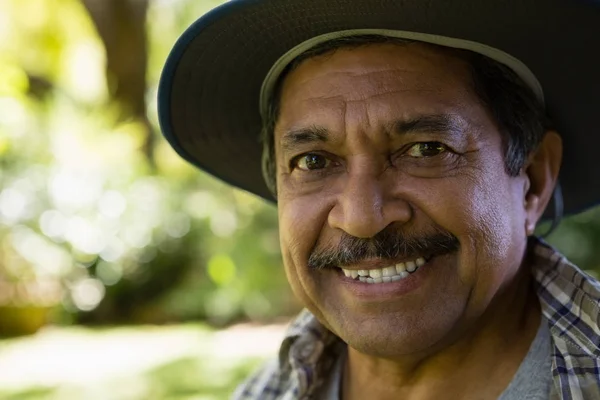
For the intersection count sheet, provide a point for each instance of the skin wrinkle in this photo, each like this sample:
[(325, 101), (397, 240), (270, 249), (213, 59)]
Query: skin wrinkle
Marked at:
[(388, 92), (360, 100), (460, 316), (510, 104), (388, 69)]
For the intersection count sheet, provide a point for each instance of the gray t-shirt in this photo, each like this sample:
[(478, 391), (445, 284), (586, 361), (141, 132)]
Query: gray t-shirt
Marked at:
[(532, 380)]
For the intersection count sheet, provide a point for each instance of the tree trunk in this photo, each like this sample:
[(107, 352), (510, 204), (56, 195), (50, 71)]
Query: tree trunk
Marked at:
[(121, 25)]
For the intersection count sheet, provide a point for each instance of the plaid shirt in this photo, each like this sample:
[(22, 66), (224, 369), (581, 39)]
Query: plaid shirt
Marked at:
[(570, 302)]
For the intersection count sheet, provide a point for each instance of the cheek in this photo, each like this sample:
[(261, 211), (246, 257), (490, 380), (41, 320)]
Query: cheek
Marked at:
[(480, 209), (301, 222), (496, 248)]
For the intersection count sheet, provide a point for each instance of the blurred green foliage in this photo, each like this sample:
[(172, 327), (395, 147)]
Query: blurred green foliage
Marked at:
[(95, 228), (100, 221)]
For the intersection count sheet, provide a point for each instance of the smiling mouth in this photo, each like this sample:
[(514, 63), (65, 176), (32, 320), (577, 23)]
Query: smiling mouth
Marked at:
[(389, 274)]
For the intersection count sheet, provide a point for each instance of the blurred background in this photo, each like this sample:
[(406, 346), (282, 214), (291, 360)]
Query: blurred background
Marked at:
[(124, 272)]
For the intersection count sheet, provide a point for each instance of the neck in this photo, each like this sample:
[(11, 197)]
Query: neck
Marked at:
[(480, 364)]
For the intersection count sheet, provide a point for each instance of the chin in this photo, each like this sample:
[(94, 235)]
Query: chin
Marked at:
[(393, 338)]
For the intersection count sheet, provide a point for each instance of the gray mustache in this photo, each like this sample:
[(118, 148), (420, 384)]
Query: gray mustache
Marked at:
[(389, 244)]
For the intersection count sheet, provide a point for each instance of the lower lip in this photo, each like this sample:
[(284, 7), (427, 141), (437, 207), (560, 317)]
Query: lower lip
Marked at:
[(382, 291)]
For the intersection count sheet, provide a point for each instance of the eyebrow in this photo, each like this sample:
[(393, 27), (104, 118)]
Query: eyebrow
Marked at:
[(291, 139), (432, 123)]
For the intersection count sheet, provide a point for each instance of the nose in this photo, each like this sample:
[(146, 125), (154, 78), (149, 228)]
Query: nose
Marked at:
[(366, 206)]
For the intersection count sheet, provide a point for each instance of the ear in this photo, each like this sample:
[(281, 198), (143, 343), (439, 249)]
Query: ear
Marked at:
[(542, 172)]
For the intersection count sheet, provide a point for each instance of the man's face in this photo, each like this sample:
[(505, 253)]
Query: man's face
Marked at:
[(388, 138)]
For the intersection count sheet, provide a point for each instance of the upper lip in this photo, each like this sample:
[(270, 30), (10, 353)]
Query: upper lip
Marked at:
[(378, 263)]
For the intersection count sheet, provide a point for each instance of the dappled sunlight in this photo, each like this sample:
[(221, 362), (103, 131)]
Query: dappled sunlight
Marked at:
[(82, 361)]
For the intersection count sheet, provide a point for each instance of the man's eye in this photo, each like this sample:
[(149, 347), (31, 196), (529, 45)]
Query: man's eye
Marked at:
[(311, 162), (426, 149)]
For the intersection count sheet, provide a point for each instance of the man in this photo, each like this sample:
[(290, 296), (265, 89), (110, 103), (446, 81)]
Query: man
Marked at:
[(412, 148)]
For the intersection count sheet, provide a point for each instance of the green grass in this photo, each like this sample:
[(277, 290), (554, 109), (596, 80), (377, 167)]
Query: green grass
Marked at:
[(29, 394), (188, 362)]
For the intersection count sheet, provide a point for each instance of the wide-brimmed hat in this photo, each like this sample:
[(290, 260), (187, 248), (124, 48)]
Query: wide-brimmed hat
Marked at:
[(215, 80)]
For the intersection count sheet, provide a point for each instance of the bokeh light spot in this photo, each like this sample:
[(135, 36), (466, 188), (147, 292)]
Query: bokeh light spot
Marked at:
[(12, 205), (178, 225), (221, 269), (112, 204), (223, 223), (87, 293), (53, 224), (109, 273)]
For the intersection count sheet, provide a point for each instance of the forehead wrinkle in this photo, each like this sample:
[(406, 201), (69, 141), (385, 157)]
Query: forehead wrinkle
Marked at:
[(430, 120), (356, 92), (335, 86), (330, 65), (351, 63), (342, 100), (346, 111), (351, 80), (356, 73)]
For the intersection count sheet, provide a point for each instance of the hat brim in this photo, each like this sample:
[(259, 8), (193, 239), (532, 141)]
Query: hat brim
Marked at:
[(210, 87)]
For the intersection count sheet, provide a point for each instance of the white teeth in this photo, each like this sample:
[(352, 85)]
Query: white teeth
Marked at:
[(400, 267), (375, 273), (387, 274)]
